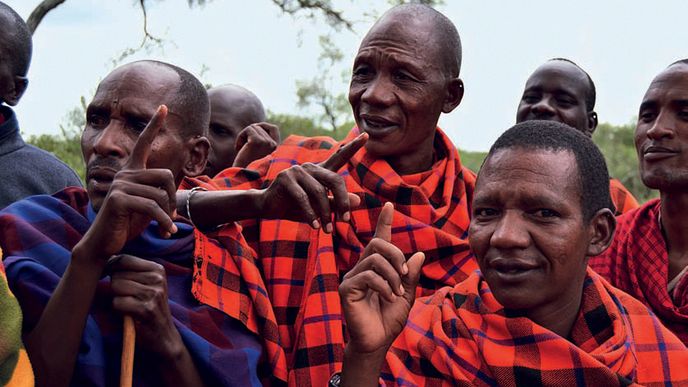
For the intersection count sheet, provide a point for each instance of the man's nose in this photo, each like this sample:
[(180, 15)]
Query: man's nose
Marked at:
[(110, 141), (543, 108), (379, 92), (510, 232), (662, 127)]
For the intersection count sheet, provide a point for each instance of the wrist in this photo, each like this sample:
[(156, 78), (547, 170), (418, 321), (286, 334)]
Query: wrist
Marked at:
[(362, 368), (84, 256)]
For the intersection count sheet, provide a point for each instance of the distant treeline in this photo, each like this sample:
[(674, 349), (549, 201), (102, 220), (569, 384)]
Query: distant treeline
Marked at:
[(616, 143)]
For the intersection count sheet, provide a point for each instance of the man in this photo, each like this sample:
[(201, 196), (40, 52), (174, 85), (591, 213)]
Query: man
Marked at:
[(299, 241), (534, 314), (649, 255), (238, 134), (562, 91), (79, 260), (26, 170)]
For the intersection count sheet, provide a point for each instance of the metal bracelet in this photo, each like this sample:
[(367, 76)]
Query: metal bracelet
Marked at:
[(188, 202)]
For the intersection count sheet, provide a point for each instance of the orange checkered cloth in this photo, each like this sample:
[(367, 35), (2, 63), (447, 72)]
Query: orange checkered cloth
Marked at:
[(283, 278), (637, 263), (463, 336), (621, 197)]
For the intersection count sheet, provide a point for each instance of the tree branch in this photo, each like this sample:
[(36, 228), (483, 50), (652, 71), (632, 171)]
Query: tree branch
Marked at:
[(335, 18), (40, 11)]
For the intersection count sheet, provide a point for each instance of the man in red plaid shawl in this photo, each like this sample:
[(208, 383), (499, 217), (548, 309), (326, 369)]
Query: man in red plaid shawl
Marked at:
[(534, 314), (300, 242), (649, 255)]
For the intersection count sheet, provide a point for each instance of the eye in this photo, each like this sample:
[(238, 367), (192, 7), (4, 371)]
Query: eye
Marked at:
[(137, 125), (219, 131), (565, 101), (362, 71), (485, 213), (683, 115), (546, 213), (530, 98), (646, 116), (403, 76), (97, 121)]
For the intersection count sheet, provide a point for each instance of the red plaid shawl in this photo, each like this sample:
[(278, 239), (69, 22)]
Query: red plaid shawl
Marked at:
[(300, 268), (621, 197), (463, 336), (637, 263)]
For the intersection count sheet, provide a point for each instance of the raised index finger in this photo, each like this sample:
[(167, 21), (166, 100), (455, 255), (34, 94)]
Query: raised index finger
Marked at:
[(383, 229), (142, 148), (345, 153)]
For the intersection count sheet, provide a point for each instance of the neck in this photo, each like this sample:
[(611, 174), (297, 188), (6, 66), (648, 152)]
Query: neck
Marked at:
[(418, 160), (559, 318), (674, 212)]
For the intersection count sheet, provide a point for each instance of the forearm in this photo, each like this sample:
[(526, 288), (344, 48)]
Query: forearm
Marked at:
[(213, 208), (54, 342), (362, 369)]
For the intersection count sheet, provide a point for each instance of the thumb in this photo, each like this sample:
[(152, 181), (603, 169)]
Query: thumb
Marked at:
[(410, 280)]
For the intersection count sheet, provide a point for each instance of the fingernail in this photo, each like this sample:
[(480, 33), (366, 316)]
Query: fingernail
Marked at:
[(315, 224), (174, 228), (166, 235), (404, 269), (174, 214), (328, 228), (401, 290), (346, 217)]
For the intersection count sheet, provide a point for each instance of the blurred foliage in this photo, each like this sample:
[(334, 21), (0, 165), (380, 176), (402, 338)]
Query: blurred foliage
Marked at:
[(67, 145), (618, 146)]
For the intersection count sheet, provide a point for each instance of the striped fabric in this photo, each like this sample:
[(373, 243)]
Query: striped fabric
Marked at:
[(622, 198), (37, 236), (300, 268), (637, 263), (463, 336), (15, 368)]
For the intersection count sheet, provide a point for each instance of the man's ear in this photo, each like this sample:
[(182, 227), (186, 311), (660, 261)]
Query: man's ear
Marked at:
[(198, 156), (454, 95), (601, 227), (592, 123), (19, 85)]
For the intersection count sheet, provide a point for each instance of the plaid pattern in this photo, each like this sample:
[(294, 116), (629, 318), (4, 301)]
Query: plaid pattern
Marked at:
[(15, 368), (637, 263), (301, 267), (463, 336), (621, 197), (37, 236)]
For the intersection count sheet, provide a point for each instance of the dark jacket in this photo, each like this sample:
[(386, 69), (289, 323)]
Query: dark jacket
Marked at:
[(26, 170)]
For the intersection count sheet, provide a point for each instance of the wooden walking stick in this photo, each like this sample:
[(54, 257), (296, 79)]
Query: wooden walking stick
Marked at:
[(128, 345)]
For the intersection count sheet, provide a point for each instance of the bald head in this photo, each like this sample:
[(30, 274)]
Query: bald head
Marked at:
[(184, 94), (15, 55), (242, 102), (431, 25), (232, 108)]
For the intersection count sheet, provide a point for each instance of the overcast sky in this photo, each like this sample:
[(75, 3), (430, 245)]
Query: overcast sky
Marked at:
[(622, 45)]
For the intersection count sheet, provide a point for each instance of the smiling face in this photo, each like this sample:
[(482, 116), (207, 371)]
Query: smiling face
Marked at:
[(556, 92), (661, 135), (399, 87), (528, 231), (124, 103)]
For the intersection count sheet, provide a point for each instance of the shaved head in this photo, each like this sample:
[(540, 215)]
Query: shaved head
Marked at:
[(15, 41), (242, 102), (442, 32)]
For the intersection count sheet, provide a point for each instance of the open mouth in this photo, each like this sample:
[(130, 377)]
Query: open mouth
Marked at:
[(376, 125)]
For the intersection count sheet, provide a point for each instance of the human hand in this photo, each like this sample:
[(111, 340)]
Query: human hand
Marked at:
[(139, 289), (377, 294), (301, 192), (254, 142)]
